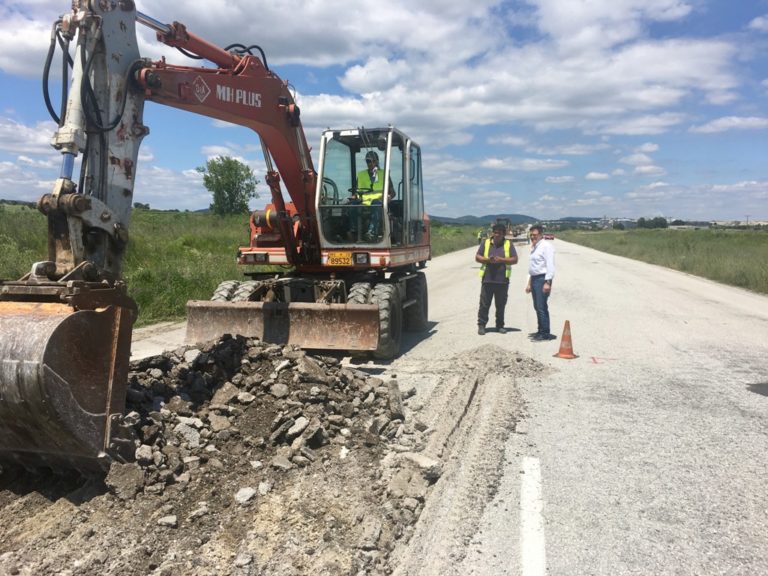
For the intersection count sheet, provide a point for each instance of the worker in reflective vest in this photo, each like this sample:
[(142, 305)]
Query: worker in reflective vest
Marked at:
[(370, 187), (370, 182), (496, 256)]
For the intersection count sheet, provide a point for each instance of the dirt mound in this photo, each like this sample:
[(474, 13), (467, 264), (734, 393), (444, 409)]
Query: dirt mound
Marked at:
[(250, 459)]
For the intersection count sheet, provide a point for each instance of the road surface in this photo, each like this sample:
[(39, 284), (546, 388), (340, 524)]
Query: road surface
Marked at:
[(645, 455)]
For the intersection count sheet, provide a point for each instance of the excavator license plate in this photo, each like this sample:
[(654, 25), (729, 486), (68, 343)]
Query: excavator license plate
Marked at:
[(340, 259)]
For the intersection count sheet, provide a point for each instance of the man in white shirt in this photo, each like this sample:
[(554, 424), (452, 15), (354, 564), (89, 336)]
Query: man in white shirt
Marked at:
[(541, 271)]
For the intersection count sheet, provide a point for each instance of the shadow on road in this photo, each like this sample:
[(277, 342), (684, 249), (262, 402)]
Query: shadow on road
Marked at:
[(761, 389), (411, 339)]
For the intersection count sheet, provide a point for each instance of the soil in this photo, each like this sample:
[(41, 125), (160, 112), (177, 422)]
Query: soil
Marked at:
[(252, 458)]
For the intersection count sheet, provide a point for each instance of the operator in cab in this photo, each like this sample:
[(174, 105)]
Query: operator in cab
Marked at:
[(370, 188)]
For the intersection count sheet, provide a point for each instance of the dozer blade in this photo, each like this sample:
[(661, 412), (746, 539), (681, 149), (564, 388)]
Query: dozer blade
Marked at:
[(62, 374), (309, 325)]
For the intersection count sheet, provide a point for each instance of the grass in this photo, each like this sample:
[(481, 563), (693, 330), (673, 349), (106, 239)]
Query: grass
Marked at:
[(23, 240), (449, 238), (172, 257), (733, 257)]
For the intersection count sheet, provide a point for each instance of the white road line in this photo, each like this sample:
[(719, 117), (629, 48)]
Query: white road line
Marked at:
[(533, 560)]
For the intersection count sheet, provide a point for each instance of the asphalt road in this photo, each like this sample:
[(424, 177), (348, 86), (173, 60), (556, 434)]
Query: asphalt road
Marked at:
[(645, 455)]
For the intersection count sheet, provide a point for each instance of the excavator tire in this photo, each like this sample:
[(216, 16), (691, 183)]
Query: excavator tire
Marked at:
[(390, 320), (245, 290), (359, 293), (416, 316), (225, 290)]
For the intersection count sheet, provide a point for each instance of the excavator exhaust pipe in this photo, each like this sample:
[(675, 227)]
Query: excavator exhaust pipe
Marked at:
[(63, 374), (353, 327)]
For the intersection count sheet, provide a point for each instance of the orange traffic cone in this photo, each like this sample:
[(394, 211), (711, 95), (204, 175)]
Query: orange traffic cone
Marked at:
[(566, 347)]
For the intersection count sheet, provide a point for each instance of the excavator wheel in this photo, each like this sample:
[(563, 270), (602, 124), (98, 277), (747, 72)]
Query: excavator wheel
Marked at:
[(416, 316), (245, 290), (390, 320), (225, 290), (360, 293)]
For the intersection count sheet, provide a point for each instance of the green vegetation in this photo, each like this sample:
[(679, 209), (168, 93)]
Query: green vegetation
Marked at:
[(23, 240), (734, 257), (450, 237), (172, 256), (178, 256), (232, 184)]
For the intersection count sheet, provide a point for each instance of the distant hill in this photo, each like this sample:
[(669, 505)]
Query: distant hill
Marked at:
[(485, 220)]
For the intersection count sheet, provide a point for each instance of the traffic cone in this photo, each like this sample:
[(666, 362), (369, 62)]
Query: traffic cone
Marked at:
[(566, 346)]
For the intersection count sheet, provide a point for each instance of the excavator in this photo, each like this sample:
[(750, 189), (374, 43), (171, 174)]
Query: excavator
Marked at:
[(350, 271)]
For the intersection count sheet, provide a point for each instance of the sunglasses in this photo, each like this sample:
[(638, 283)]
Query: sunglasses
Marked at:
[(368, 161)]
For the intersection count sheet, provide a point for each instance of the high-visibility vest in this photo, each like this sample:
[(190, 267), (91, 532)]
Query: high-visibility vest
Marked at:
[(487, 250), (370, 190)]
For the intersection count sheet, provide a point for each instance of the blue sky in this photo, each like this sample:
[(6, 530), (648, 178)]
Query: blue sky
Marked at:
[(551, 108)]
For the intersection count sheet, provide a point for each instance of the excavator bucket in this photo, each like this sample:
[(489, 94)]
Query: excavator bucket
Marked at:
[(63, 373), (309, 325)]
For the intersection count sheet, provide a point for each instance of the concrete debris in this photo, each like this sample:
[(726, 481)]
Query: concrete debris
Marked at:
[(243, 446)]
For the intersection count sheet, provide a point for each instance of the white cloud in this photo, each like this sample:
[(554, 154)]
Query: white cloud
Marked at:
[(522, 164), (731, 123), (593, 198), (647, 147), (508, 140), (375, 75), (490, 195), (602, 23), (214, 150), (569, 149), (647, 194), (760, 24), (597, 176), (559, 179), (650, 170), (636, 160), (21, 139), (750, 186), (642, 125)]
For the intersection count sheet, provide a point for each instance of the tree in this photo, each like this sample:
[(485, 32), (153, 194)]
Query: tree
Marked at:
[(231, 182)]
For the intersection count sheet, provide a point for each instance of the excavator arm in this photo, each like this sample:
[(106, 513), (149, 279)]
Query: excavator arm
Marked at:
[(65, 327), (242, 90)]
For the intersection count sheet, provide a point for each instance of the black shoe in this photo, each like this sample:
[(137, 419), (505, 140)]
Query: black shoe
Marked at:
[(543, 337), (481, 330), (533, 334), (501, 330)]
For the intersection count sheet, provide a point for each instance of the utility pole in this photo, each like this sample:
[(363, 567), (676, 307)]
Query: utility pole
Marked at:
[(748, 215)]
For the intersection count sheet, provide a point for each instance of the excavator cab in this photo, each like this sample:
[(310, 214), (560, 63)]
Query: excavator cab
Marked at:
[(369, 189)]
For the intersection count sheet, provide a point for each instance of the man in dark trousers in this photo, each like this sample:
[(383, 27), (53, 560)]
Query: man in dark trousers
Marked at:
[(496, 255), (541, 271)]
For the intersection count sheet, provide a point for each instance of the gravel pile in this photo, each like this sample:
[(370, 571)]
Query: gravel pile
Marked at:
[(250, 458)]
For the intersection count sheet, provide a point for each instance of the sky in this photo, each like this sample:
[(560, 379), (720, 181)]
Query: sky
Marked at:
[(549, 108)]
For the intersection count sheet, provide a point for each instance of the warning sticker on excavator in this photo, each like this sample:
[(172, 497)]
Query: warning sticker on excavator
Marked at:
[(339, 258)]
